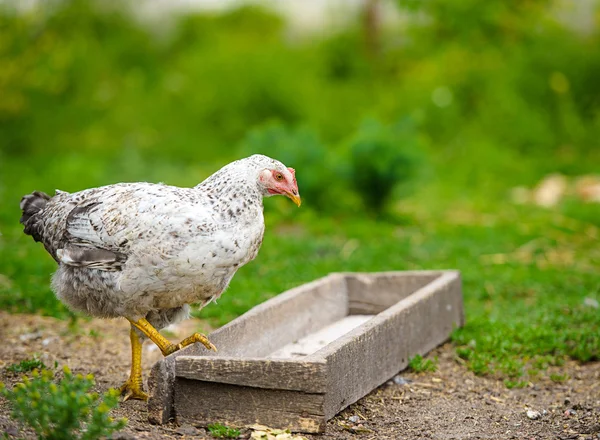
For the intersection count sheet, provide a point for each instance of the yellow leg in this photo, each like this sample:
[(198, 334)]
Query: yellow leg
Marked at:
[(165, 346), (132, 389)]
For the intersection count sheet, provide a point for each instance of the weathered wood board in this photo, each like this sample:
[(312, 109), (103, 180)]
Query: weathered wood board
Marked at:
[(249, 381)]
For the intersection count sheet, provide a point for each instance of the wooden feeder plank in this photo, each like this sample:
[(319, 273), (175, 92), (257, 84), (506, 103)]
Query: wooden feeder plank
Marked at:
[(309, 377), (209, 402)]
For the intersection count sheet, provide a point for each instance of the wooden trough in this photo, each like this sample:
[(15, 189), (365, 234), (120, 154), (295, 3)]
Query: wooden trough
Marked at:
[(299, 358)]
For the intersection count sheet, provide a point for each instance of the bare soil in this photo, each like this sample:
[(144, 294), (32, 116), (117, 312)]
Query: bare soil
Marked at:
[(449, 404)]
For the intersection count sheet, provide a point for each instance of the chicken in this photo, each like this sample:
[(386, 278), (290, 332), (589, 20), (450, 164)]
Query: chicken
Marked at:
[(147, 251)]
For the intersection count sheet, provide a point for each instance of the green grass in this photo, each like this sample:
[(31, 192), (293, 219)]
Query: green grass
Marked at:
[(221, 431)]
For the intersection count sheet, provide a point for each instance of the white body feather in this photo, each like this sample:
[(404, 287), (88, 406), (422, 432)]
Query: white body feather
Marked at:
[(148, 250)]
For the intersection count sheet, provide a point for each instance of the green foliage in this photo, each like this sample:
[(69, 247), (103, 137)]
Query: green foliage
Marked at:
[(63, 410), (27, 365), (381, 158), (221, 431), (418, 364)]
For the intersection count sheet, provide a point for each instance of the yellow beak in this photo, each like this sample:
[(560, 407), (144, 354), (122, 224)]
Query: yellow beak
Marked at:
[(295, 198)]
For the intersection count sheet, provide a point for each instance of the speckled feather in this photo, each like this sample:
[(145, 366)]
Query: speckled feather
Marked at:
[(149, 250)]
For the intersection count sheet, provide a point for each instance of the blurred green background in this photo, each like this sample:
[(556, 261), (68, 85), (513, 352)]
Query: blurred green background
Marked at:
[(420, 131)]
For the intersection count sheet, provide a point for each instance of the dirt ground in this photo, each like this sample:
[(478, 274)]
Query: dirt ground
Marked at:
[(449, 404)]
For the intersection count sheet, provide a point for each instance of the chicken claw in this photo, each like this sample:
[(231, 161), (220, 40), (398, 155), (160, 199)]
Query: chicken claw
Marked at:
[(132, 390), (197, 337)]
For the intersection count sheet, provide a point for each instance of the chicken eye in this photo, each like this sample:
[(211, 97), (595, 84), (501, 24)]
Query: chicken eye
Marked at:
[(279, 177)]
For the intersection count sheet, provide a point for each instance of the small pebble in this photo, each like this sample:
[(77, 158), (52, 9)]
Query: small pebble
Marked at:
[(123, 436), (12, 431), (570, 412), (399, 380), (47, 341), (354, 419), (533, 415), (30, 336), (187, 430)]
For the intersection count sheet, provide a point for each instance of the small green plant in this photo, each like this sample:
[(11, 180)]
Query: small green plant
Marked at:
[(420, 365), (27, 365), (64, 410), (510, 384), (221, 431), (513, 368), (464, 353), (558, 378)]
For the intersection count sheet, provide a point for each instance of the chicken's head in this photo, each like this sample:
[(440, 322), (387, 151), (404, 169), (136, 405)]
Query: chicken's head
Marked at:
[(280, 181)]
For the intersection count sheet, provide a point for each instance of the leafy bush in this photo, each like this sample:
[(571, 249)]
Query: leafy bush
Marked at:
[(381, 159), (66, 410)]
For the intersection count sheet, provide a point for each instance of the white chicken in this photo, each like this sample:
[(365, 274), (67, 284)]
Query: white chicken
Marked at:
[(147, 251)]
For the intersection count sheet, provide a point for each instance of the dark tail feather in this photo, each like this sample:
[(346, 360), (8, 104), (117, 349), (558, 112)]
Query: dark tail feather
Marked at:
[(31, 205)]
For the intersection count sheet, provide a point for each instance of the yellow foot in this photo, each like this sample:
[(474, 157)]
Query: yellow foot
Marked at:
[(196, 337), (130, 390)]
